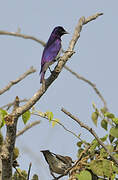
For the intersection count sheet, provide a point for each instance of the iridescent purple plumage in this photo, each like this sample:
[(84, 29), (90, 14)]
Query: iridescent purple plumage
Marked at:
[(51, 50)]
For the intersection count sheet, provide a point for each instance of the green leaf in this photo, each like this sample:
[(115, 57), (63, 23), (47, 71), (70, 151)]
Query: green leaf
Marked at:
[(115, 120), (49, 115), (113, 176), (103, 153), (107, 167), (80, 151), (79, 144), (35, 177), (115, 155), (104, 124), (24, 173), (109, 115), (15, 153), (116, 143), (84, 175), (3, 113), (94, 107), (115, 169), (26, 116), (114, 132), (104, 138), (111, 138), (110, 148), (97, 167), (101, 167), (103, 110), (94, 117), (94, 144), (55, 122)]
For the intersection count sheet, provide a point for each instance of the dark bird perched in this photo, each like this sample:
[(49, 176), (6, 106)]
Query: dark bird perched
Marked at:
[(51, 50), (57, 163)]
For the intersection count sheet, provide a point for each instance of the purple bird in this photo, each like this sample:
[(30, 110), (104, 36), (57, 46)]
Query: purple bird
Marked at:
[(51, 50)]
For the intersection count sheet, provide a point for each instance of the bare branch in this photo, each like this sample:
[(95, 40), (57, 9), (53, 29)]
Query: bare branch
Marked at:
[(31, 70), (91, 18), (24, 36), (92, 132), (27, 127), (8, 144), (57, 69), (28, 174), (90, 83), (78, 28), (9, 105)]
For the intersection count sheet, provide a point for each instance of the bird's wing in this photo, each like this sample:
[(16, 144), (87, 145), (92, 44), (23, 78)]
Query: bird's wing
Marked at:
[(51, 51), (62, 158)]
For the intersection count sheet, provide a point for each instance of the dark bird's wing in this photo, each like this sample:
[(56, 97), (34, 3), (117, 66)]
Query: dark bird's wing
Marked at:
[(50, 52), (62, 158)]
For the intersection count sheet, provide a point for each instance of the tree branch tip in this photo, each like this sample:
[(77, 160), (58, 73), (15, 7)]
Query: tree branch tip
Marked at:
[(100, 14), (73, 52), (33, 69), (17, 99), (82, 18), (30, 164)]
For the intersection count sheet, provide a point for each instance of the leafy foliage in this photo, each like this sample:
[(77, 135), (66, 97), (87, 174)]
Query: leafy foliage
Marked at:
[(22, 175), (95, 117), (84, 175), (96, 161), (3, 113), (26, 116)]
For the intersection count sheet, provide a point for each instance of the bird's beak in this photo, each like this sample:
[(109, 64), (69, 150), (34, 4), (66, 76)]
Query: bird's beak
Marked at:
[(65, 32)]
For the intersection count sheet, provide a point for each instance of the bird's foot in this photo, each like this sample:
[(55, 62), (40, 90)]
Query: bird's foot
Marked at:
[(69, 51)]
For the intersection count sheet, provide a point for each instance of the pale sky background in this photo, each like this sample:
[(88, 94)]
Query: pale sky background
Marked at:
[(95, 59)]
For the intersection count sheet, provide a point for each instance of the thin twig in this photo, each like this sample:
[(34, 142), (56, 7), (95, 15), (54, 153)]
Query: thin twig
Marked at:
[(90, 83), (28, 175), (36, 114), (92, 132), (78, 28), (24, 36), (31, 70), (27, 127), (20, 173), (9, 105)]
